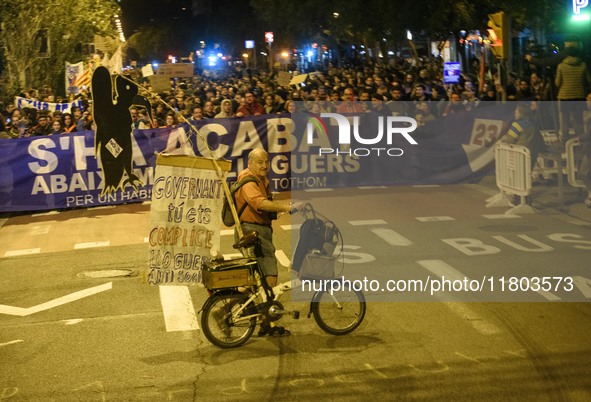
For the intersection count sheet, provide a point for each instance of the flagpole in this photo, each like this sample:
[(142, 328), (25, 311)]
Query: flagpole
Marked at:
[(213, 160)]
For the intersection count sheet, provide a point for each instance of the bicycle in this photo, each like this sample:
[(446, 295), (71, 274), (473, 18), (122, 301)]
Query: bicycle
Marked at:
[(239, 296)]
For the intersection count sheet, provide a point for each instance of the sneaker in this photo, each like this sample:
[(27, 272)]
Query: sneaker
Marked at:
[(279, 332), (264, 329)]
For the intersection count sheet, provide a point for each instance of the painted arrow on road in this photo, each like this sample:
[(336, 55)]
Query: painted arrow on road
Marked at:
[(81, 294)]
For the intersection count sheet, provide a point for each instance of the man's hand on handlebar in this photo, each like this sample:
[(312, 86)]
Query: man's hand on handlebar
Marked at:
[(297, 207)]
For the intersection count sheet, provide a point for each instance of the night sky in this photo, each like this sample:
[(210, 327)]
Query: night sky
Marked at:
[(141, 12), (228, 22)]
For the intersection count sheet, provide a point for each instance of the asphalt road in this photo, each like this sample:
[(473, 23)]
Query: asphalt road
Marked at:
[(72, 329)]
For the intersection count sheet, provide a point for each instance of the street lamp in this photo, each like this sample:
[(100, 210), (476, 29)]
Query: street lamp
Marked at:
[(284, 55)]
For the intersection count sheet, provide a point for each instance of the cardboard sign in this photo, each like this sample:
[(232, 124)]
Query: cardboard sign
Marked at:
[(177, 70), (160, 83), (185, 218), (283, 78), (298, 79), (147, 71)]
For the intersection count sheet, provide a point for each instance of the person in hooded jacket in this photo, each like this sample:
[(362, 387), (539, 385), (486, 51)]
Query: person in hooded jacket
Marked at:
[(225, 110), (572, 80)]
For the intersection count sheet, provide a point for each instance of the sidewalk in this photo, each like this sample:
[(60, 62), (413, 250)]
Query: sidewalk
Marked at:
[(545, 198)]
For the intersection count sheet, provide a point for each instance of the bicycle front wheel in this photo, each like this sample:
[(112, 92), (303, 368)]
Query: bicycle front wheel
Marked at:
[(339, 312), (221, 323)]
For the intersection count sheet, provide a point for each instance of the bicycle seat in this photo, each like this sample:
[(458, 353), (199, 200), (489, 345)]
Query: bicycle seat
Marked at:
[(248, 239)]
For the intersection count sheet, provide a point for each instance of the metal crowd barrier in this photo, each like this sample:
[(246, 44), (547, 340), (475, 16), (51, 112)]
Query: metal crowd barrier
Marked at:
[(513, 174), (573, 158)]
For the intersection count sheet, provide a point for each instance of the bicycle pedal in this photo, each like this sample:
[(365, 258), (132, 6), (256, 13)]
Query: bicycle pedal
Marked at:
[(295, 315)]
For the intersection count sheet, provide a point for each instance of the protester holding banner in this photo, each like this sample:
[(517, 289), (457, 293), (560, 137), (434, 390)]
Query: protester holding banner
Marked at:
[(226, 110), (290, 106), (17, 125), (196, 114), (208, 110), (56, 128), (170, 120), (349, 105), (68, 124), (250, 107), (43, 126), (82, 121)]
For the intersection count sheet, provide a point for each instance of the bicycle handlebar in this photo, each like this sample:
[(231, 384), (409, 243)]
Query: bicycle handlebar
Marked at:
[(302, 208)]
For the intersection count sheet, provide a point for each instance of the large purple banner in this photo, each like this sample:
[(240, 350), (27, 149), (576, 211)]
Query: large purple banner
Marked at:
[(56, 172)]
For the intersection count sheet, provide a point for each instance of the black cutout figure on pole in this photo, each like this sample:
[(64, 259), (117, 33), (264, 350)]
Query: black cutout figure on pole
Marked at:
[(114, 130)]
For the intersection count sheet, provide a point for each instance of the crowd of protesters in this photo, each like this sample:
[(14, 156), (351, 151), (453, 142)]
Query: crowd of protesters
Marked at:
[(26, 122), (411, 89)]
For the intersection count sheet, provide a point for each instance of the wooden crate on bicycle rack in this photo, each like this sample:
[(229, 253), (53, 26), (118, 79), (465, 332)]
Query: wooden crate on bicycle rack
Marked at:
[(229, 274)]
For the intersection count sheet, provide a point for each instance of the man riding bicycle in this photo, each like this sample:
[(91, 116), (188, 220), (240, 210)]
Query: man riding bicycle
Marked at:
[(259, 212)]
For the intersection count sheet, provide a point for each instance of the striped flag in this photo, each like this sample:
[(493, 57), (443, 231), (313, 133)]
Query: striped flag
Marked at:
[(83, 79)]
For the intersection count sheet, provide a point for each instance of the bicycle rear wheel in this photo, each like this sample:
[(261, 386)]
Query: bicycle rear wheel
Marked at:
[(220, 324), (339, 313)]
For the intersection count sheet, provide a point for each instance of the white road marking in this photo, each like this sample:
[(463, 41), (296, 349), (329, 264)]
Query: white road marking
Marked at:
[(479, 323), (16, 253), (282, 258), (73, 321), (426, 185), (434, 218), (104, 207), (178, 310), (20, 311), (39, 230), (318, 190), (368, 222), (373, 369), (579, 222), (501, 216), (45, 214), (92, 244), (11, 342), (370, 187), (296, 226), (440, 268), (391, 237)]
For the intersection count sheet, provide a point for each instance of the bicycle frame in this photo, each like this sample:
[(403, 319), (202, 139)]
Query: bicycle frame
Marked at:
[(225, 307), (278, 291)]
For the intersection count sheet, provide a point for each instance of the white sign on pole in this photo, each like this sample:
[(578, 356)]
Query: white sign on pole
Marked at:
[(185, 218)]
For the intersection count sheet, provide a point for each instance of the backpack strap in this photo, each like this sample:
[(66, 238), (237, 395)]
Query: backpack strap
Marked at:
[(241, 183)]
